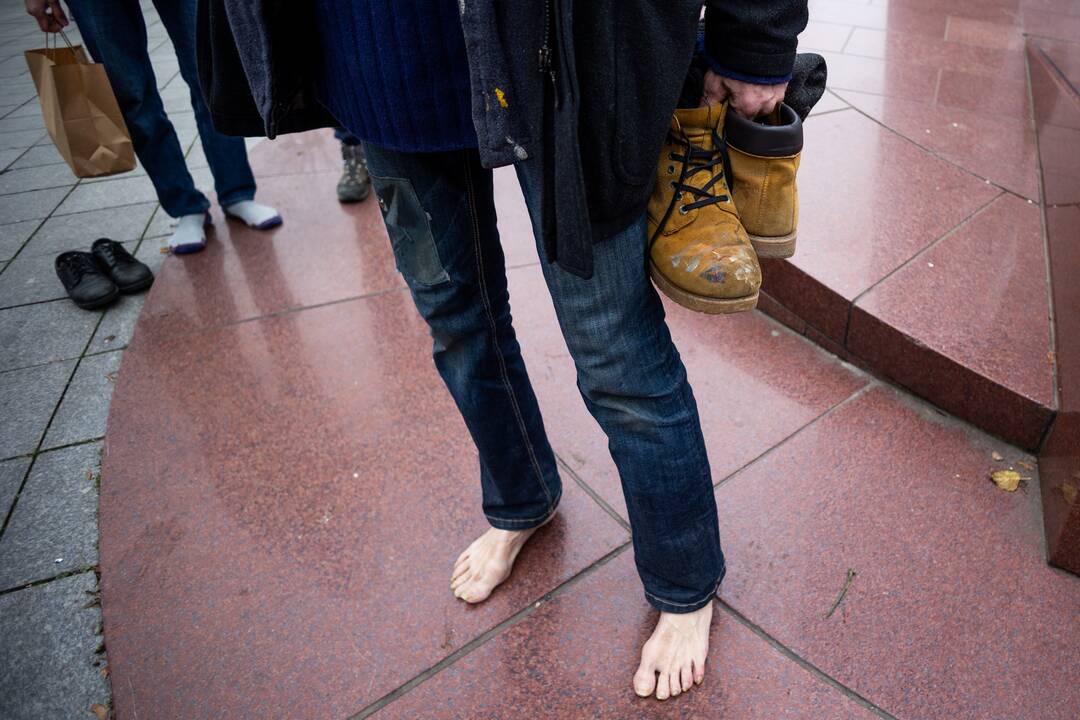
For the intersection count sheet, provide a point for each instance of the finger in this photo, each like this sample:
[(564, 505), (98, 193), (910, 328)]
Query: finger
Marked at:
[(58, 13)]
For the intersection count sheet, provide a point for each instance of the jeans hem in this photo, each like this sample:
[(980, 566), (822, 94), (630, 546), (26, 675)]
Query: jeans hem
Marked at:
[(236, 197), (682, 608), (524, 523)]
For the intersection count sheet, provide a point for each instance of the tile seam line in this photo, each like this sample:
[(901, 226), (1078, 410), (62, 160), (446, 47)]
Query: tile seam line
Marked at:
[(596, 497), (1044, 228), (805, 664), (1058, 71), (930, 151), (267, 316), (488, 635), (927, 248), (45, 431), (45, 581), (872, 383), (41, 223), (54, 448)]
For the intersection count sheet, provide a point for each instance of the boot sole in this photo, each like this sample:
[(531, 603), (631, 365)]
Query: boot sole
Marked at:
[(774, 247), (700, 303)]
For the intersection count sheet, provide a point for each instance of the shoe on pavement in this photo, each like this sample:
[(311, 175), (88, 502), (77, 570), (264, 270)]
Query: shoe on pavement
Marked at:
[(85, 281), (764, 159), (355, 183), (699, 253), (129, 274)]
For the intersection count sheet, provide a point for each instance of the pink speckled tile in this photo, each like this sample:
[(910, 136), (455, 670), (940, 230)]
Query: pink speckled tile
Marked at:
[(982, 33), (575, 657), (897, 16), (824, 36), (974, 92), (873, 75), (309, 152), (1059, 459), (953, 613), (966, 323), (740, 367), (924, 50), (245, 273), (1057, 25), (996, 147), (515, 228), (869, 201), (281, 504), (1064, 55)]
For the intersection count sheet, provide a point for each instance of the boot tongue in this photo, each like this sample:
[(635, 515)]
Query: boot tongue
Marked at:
[(698, 123)]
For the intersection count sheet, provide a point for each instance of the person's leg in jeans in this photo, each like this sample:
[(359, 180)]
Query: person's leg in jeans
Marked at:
[(115, 34), (440, 215), (354, 184), (227, 155), (634, 383)]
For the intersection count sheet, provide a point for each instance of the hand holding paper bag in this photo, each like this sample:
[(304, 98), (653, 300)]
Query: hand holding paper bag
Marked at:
[(80, 111)]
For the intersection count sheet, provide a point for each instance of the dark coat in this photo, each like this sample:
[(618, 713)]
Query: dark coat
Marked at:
[(584, 88)]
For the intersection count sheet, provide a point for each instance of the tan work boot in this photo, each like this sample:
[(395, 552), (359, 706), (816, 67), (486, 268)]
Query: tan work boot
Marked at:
[(699, 254), (764, 159)]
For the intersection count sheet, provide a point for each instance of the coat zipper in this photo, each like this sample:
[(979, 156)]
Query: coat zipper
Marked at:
[(546, 65)]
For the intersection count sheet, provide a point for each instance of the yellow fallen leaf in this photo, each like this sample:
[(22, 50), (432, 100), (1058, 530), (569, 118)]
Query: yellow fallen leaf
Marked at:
[(997, 456), (1007, 480), (100, 710), (1070, 492)]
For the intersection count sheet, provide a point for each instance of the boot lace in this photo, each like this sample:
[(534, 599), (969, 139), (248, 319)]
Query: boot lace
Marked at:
[(696, 160), (353, 164)]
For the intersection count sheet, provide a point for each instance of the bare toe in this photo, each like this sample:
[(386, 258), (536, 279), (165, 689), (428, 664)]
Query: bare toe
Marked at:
[(686, 676)]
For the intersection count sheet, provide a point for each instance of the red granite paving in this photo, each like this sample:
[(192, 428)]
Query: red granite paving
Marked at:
[(989, 360), (286, 486), (575, 655), (281, 506), (953, 612)]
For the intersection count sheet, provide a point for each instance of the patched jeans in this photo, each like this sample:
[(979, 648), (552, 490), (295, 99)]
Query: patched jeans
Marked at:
[(440, 215)]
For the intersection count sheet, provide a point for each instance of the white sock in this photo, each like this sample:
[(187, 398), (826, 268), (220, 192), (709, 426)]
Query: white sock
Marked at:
[(252, 214), (189, 235)]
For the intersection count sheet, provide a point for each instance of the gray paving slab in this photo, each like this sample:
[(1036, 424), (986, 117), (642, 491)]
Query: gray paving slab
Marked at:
[(160, 224), (22, 122), (37, 156), (13, 66), (118, 324), (51, 667), (13, 235), (53, 528), (29, 397), (78, 231), (19, 180), (139, 171), (9, 156), (28, 107), (85, 407), (11, 475), (20, 138), (30, 205), (44, 332), (108, 193)]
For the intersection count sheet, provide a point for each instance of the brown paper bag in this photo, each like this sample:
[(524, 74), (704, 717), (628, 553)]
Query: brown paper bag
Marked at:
[(80, 110)]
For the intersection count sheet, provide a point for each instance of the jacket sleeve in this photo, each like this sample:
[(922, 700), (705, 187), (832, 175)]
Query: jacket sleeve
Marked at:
[(753, 40)]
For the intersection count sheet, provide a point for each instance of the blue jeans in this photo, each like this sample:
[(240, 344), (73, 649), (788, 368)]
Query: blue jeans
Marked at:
[(115, 34), (440, 215)]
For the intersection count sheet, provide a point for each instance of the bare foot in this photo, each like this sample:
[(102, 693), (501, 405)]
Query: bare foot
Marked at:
[(488, 562), (676, 651)]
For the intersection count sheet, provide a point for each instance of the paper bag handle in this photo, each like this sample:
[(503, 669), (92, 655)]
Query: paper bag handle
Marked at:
[(62, 34)]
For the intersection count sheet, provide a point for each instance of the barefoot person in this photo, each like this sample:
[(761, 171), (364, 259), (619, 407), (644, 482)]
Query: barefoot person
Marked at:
[(115, 34), (580, 104)]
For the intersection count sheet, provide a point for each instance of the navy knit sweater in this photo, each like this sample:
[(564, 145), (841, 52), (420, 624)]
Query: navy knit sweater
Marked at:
[(394, 72)]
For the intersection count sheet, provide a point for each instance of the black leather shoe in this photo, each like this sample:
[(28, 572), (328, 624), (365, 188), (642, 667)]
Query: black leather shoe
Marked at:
[(84, 280), (129, 274)]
